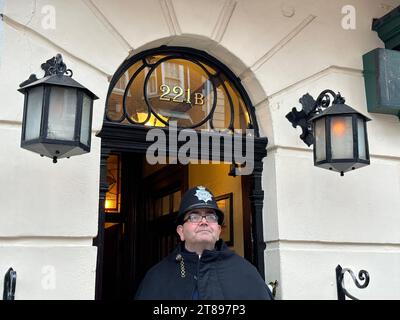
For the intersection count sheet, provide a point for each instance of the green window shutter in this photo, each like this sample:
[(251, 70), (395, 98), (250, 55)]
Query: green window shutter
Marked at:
[(388, 29), (382, 81)]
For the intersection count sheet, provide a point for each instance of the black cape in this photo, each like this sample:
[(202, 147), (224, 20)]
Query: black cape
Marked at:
[(219, 274)]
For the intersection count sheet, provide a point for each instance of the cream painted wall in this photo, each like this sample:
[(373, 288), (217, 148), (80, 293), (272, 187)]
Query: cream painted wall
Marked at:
[(50, 270), (281, 50), (307, 269)]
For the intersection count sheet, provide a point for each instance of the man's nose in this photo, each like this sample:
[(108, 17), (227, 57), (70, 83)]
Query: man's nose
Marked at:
[(203, 218)]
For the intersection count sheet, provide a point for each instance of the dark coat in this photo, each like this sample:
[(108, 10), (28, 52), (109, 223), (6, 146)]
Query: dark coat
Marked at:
[(219, 274)]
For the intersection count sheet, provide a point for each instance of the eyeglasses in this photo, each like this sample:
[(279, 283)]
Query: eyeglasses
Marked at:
[(196, 218)]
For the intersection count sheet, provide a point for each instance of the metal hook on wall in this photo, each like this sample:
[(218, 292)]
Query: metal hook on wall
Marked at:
[(273, 286), (10, 281), (363, 275)]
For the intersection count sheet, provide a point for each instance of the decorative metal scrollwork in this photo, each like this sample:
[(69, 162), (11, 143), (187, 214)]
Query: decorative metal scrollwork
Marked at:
[(10, 281), (53, 66), (57, 66), (310, 109), (150, 107), (215, 82), (274, 285), (363, 275)]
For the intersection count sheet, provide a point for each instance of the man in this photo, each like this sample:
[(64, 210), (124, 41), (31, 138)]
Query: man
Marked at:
[(202, 267)]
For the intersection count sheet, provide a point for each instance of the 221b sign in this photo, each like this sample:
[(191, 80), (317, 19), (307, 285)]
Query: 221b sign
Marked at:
[(178, 95)]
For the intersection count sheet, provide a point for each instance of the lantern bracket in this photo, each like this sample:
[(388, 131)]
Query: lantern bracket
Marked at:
[(53, 66), (310, 109), (363, 275), (10, 280)]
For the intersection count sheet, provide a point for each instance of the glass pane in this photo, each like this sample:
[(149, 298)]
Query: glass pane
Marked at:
[(113, 195), (85, 125), (115, 99), (362, 153), (320, 141), (222, 114), (341, 137), (62, 113), (135, 104), (180, 90), (34, 113)]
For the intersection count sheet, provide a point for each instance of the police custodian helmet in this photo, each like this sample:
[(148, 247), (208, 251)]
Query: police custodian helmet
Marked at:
[(197, 198)]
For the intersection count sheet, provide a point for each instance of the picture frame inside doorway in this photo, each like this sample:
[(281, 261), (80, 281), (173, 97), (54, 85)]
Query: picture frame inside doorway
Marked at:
[(225, 203)]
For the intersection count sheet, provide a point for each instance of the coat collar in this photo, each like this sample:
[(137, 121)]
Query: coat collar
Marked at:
[(221, 250)]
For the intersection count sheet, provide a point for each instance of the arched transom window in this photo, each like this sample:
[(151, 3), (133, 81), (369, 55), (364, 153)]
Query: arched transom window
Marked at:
[(189, 87)]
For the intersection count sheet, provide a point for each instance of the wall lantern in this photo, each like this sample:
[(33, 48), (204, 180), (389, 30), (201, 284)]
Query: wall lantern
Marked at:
[(339, 133), (57, 120)]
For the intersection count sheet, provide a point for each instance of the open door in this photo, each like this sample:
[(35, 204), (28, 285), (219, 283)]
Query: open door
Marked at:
[(144, 231)]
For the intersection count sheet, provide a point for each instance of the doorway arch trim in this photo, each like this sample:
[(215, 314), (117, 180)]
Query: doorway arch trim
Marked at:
[(117, 137)]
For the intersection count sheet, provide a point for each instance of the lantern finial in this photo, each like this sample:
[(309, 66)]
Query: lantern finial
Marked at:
[(57, 66), (53, 66)]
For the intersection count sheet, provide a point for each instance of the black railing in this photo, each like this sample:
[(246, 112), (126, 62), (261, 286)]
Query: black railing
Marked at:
[(341, 290), (10, 281)]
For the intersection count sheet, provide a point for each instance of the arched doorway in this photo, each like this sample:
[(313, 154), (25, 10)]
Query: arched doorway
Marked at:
[(173, 90)]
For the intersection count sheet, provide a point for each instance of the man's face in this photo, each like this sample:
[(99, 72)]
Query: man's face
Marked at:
[(202, 232)]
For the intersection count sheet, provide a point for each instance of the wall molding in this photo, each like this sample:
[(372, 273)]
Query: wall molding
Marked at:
[(11, 122), (108, 25), (36, 36), (41, 241), (314, 245), (223, 20), (169, 14), (275, 149), (312, 78), (281, 44)]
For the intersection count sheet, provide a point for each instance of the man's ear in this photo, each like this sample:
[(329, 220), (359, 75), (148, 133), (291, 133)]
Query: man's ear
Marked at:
[(179, 230)]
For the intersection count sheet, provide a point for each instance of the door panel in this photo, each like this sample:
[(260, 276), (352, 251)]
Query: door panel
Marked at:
[(164, 190)]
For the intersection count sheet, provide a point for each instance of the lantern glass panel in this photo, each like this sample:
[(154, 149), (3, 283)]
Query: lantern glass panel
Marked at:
[(341, 137), (320, 141), (34, 113), (62, 113), (362, 153), (85, 125)]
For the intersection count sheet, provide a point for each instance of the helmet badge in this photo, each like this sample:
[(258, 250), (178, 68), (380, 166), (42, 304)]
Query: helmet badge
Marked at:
[(203, 195)]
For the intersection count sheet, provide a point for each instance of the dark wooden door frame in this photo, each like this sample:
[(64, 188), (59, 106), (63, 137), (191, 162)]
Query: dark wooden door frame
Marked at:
[(130, 138)]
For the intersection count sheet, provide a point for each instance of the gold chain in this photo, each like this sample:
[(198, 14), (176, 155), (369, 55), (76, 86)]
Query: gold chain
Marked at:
[(182, 265)]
